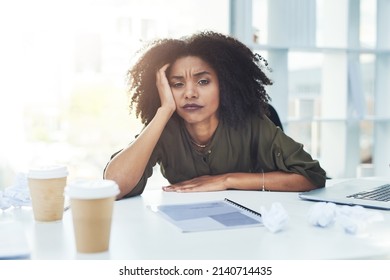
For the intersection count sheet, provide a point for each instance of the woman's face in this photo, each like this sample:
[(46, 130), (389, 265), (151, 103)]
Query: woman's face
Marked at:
[(195, 88)]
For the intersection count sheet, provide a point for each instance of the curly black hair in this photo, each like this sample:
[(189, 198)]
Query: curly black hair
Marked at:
[(240, 73)]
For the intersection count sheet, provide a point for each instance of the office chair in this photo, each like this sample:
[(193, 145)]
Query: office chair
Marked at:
[(274, 117)]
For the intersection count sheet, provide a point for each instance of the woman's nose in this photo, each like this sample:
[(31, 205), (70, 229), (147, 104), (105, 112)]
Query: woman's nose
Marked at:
[(190, 91)]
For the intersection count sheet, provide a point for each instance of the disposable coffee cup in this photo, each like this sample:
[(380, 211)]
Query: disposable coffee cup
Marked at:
[(92, 204), (46, 186)]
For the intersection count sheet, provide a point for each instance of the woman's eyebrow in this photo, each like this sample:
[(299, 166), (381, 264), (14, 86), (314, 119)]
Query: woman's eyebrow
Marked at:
[(178, 77), (201, 73)]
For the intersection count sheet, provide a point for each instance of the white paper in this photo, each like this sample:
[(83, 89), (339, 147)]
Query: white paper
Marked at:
[(13, 241), (203, 216)]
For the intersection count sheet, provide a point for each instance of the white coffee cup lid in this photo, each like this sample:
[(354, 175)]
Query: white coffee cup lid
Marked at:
[(92, 189), (48, 172)]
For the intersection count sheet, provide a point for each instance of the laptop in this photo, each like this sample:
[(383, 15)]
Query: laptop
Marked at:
[(370, 193)]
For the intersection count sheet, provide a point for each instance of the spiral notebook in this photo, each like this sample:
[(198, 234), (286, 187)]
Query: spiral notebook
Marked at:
[(212, 215)]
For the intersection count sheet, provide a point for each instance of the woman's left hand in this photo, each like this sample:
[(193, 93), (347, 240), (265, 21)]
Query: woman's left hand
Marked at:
[(200, 184)]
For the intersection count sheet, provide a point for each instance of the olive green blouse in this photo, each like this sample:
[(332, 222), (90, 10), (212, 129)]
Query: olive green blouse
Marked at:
[(255, 146)]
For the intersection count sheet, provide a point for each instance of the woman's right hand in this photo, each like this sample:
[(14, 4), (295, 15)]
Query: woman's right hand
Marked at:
[(128, 166), (164, 89)]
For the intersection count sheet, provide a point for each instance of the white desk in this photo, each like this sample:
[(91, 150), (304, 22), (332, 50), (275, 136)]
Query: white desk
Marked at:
[(138, 233)]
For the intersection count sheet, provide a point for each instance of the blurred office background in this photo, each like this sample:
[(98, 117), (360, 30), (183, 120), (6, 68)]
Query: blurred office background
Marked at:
[(63, 66)]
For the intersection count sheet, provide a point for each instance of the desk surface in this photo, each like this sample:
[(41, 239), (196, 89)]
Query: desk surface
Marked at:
[(138, 233)]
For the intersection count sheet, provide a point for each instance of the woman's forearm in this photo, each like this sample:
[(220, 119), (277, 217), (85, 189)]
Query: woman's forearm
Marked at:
[(128, 166), (270, 181)]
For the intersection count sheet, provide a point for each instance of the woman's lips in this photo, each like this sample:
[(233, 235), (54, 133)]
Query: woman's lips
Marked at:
[(192, 106)]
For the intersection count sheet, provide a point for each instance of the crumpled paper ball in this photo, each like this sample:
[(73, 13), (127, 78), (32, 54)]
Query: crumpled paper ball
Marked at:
[(355, 218), (322, 214), (276, 218), (17, 194), (351, 218)]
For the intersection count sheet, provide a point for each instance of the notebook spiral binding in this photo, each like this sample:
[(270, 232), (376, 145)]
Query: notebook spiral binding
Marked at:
[(243, 207)]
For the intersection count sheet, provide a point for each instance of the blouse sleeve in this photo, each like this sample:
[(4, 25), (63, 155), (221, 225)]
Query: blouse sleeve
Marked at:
[(139, 188), (277, 151)]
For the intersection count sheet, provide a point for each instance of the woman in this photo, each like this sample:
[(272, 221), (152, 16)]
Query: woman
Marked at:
[(203, 102)]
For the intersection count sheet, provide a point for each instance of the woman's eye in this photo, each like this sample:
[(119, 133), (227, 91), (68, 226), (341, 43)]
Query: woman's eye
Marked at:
[(203, 82), (177, 85)]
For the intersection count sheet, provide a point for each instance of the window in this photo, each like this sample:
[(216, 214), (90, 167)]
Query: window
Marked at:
[(64, 65), (330, 59)]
